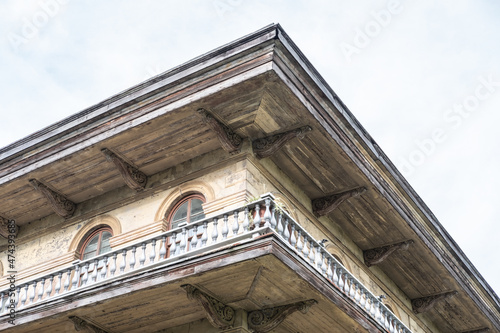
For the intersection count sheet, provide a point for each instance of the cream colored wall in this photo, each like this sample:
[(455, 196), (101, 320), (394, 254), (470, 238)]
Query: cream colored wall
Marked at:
[(225, 187)]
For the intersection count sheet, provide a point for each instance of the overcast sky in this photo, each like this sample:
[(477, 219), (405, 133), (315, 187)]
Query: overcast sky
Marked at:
[(423, 77)]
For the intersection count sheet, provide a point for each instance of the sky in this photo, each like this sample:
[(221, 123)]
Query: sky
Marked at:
[(422, 77)]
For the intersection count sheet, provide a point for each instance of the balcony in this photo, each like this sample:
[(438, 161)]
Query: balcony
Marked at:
[(231, 231)]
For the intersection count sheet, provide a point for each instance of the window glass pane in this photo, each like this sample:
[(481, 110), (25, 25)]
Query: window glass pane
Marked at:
[(180, 213), (105, 247), (91, 248), (196, 210)]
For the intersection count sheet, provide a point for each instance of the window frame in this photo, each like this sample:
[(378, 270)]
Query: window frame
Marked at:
[(100, 230), (186, 198)]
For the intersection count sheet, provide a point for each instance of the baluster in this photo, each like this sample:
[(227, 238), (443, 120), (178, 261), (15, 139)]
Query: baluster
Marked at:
[(204, 236), (225, 229), (85, 277), (300, 245), (112, 269), (215, 231), (368, 306), (132, 258), (194, 239), (312, 256), (323, 263), (346, 284), (123, 264), (352, 289), (68, 278), (335, 277), (163, 248), (317, 257), (379, 311), (385, 318), (391, 323), (142, 258), (2, 304), (341, 280), (104, 269), (256, 219), (182, 245), (76, 277), (280, 223), (49, 287), (273, 218), (362, 300), (173, 247), (357, 294), (267, 214), (25, 295), (286, 232), (293, 239), (41, 290), (18, 294), (58, 284), (33, 292), (94, 273), (373, 308), (246, 223), (236, 224), (152, 254), (305, 250)]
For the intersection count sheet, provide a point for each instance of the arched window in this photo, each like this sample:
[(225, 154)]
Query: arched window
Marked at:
[(96, 243), (188, 210)]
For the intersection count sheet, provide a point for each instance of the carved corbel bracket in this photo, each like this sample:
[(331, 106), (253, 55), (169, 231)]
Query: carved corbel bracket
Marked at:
[(265, 320), (325, 205), (4, 228), (133, 177), (423, 304), (230, 141), (480, 330), (85, 326), (379, 254), (218, 314), (269, 145), (61, 205)]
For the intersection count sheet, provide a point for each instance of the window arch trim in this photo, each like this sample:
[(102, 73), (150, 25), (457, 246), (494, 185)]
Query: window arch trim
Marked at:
[(89, 227), (98, 231)]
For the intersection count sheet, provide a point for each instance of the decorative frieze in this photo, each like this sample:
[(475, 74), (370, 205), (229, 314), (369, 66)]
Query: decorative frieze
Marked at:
[(325, 205), (230, 141), (82, 325), (61, 205), (218, 314), (269, 145), (480, 330), (4, 228), (379, 254), (265, 320), (426, 303), (133, 177)]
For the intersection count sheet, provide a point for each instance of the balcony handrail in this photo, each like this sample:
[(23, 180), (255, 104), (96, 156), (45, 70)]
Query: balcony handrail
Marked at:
[(188, 240)]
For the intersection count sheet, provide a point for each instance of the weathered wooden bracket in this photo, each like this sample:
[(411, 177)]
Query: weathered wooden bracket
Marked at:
[(379, 254), (230, 141), (85, 326), (480, 330), (4, 228), (269, 145), (133, 177), (423, 304), (218, 314), (325, 205), (59, 203), (265, 320)]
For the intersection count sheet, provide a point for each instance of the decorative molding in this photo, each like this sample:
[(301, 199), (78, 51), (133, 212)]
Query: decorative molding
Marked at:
[(377, 255), (133, 177), (4, 227), (61, 205), (325, 205), (230, 141), (269, 145), (424, 304), (265, 320), (235, 199), (480, 330), (218, 314), (85, 326)]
